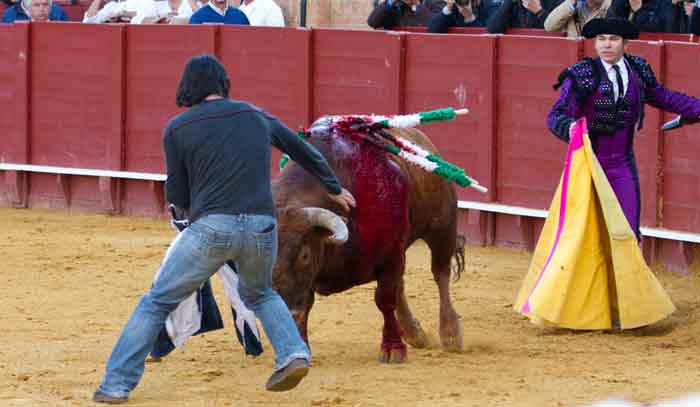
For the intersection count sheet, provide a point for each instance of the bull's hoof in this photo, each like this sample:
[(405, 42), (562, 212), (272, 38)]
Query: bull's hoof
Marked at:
[(418, 339), (393, 353), (451, 338)]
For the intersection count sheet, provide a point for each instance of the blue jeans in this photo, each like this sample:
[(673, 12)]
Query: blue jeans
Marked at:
[(199, 251)]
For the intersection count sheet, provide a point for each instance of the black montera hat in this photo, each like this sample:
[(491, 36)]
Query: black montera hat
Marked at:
[(611, 25)]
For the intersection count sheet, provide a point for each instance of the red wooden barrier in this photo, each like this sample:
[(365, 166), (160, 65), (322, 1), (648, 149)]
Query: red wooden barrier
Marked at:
[(667, 37), (282, 87), (357, 72), (104, 107), (529, 157), (76, 105), (460, 72), (155, 59), (445, 71), (14, 69)]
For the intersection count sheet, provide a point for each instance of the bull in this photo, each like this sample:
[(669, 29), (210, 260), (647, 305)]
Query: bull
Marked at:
[(397, 204)]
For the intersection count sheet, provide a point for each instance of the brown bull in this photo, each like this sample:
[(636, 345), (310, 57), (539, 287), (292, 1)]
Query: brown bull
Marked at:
[(397, 204)]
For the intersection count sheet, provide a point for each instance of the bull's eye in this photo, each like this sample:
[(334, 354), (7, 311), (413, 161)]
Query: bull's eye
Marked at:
[(304, 256)]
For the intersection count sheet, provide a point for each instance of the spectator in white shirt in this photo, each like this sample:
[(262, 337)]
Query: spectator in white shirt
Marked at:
[(262, 13)]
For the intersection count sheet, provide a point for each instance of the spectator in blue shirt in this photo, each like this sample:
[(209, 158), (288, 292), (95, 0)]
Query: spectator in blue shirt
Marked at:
[(218, 11), (34, 10)]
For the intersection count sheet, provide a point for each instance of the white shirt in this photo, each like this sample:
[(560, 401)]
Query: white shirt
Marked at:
[(613, 76), (218, 10), (263, 13)]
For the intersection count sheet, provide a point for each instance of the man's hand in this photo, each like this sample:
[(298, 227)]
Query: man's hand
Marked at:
[(344, 199), (635, 5), (466, 11), (534, 6)]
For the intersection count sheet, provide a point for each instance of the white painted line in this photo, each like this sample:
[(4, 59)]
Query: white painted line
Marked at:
[(481, 206), (146, 176), (539, 213)]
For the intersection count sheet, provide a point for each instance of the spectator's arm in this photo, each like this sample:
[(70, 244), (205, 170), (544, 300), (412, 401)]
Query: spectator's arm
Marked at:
[(499, 21), (91, 11), (442, 22), (559, 17), (619, 8), (59, 13), (647, 18), (9, 15), (383, 16), (435, 6), (275, 18)]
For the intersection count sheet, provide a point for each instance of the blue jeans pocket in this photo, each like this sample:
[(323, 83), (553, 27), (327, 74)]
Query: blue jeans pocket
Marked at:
[(266, 238)]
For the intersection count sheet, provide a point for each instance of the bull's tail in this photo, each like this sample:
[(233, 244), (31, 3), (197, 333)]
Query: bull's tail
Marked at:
[(458, 255)]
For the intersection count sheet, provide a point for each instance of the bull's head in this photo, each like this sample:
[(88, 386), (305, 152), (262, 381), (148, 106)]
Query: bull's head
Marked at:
[(305, 235)]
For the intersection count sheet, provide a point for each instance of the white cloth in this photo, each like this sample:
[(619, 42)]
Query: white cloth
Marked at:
[(613, 76), (263, 13), (186, 319)]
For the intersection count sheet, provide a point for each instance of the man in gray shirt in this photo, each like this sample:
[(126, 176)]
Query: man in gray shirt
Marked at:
[(218, 162)]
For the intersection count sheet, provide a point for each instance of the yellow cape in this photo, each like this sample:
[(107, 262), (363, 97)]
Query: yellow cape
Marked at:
[(587, 271)]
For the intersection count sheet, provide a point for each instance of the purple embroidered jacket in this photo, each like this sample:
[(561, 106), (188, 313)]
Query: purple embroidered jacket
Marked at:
[(587, 91)]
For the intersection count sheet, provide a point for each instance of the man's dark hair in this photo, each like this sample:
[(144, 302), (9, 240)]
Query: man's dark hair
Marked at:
[(203, 76)]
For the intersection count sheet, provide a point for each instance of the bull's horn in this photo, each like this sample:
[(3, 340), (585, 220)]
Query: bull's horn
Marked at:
[(329, 220)]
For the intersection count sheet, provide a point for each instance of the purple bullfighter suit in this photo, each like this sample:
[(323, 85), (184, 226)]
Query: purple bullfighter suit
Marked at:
[(587, 91)]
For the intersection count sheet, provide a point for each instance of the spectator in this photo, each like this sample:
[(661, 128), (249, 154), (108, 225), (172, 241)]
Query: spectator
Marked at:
[(219, 11), (571, 15), (263, 13), (695, 19), (34, 10), (389, 14), (520, 14), (474, 13), (643, 13), (676, 15)]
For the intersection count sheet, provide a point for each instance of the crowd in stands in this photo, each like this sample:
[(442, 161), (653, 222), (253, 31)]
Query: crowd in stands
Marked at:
[(248, 12), (569, 16)]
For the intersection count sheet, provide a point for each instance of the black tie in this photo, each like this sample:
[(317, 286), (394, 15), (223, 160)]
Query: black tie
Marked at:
[(620, 86)]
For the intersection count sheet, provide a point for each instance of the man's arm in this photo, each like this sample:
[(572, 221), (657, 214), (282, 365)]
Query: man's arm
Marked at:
[(556, 20), (564, 112), (695, 20), (619, 8), (177, 190), (675, 102), (499, 21), (648, 18), (441, 23), (383, 16), (304, 154)]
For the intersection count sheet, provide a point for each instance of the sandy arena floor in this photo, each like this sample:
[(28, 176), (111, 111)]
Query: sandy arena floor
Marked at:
[(70, 282)]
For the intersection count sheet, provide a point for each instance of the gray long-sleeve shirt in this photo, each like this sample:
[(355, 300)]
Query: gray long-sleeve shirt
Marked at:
[(218, 159)]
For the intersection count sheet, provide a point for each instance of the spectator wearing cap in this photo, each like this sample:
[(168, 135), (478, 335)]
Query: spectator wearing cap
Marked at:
[(462, 13), (390, 14), (571, 15), (219, 11), (264, 13), (520, 14), (34, 10)]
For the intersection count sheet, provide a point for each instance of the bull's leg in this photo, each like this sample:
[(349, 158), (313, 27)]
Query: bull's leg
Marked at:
[(393, 350), (450, 325), (301, 316), (413, 333)]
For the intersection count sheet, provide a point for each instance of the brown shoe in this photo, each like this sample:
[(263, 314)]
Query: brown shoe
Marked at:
[(289, 376), (100, 397)]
